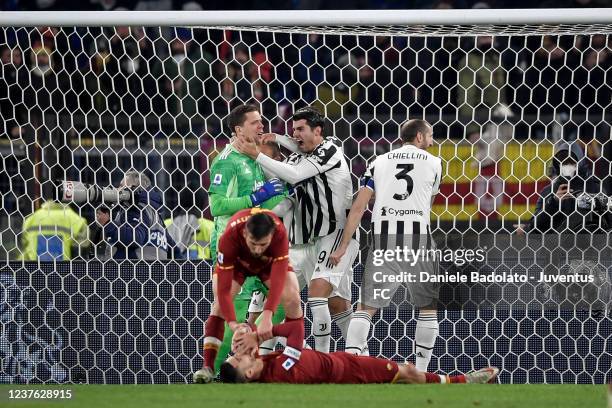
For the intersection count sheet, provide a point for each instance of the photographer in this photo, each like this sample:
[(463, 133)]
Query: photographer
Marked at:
[(572, 202), (136, 230)]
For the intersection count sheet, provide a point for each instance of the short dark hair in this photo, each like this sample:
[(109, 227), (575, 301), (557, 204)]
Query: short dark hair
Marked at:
[(312, 116), (238, 115), (260, 225), (410, 128), (229, 374)]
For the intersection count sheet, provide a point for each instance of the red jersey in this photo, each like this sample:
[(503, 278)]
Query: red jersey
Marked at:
[(334, 368), (235, 261)]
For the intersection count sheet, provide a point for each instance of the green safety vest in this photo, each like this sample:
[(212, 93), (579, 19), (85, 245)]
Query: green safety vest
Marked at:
[(51, 231)]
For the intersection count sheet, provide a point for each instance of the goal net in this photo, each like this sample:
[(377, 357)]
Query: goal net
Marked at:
[(87, 98)]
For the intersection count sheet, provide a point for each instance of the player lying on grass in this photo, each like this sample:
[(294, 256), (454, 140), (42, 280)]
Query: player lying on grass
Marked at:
[(254, 243), (298, 366)]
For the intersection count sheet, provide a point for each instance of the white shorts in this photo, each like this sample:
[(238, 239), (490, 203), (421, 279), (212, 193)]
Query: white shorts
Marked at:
[(311, 261)]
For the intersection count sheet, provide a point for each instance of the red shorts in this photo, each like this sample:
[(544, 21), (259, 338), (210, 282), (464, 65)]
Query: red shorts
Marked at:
[(241, 273), (366, 370)]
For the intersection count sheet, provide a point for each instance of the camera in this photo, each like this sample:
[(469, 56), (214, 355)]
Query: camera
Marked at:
[(574, 184), (599, 203), (81, 193)]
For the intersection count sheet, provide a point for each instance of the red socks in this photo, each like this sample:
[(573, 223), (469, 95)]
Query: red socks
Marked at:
[(432, 378), (214, 329), (456, 379), (448, 379)]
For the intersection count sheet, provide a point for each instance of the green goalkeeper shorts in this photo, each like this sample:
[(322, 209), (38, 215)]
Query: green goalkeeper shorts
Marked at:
[(241, 305), (251, 284)]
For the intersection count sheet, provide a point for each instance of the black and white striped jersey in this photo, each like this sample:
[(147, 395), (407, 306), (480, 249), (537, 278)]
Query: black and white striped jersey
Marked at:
[(324, 198), (404, 181)]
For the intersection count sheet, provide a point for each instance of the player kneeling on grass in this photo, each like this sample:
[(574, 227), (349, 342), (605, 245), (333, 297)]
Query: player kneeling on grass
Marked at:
[(297, 366), (254, 243)]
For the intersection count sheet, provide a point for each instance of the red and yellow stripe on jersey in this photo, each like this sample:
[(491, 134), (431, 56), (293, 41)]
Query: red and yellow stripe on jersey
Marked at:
[(235, 261)]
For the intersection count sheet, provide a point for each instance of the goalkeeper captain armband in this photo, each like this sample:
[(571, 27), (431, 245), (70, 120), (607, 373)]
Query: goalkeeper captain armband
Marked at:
[(271, 188)]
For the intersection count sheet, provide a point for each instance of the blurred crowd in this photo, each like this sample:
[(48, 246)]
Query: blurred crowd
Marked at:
[(187, 79), (145, 82), (188, 76)]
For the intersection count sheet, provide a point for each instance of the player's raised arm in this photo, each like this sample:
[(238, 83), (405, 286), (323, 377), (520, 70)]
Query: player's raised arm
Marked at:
[(291, 173), (286, 141), (319, 154)]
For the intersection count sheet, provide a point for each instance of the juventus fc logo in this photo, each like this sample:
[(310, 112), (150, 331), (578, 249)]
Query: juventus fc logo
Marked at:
[(322, 327), (383, 212)]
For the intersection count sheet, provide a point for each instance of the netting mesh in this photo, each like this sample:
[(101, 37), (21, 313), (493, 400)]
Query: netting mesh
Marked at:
[(90, 103), (436, 30)]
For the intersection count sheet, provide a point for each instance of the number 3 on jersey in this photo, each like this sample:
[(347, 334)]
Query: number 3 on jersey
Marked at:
[(404, 169)]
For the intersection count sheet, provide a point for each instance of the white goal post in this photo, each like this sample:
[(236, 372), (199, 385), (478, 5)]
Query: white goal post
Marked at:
[(307, 18), (91, 95)]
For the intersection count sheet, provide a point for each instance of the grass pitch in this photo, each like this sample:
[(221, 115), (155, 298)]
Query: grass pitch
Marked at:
[(318, 396)]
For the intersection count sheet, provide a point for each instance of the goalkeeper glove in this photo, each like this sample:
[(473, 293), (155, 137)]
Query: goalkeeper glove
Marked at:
[(271, 188)]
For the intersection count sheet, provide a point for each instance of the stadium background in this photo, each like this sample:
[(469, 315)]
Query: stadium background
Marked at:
[(111, 76)]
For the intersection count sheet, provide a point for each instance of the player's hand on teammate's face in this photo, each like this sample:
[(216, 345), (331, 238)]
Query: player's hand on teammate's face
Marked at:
[(244, 342), (246, 147), (240, 331), (268, 137), (264, 330), (337, 255)]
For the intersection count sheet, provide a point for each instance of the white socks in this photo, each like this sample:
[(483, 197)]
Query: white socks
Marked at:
[(357, 336), (268, 346), (321, 323), (342, 320), (425, 337)]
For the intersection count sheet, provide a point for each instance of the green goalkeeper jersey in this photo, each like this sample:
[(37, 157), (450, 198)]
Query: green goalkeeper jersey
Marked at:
[(233, 177)]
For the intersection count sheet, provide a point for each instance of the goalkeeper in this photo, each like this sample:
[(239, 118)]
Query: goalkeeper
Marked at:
[(238, 182)]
